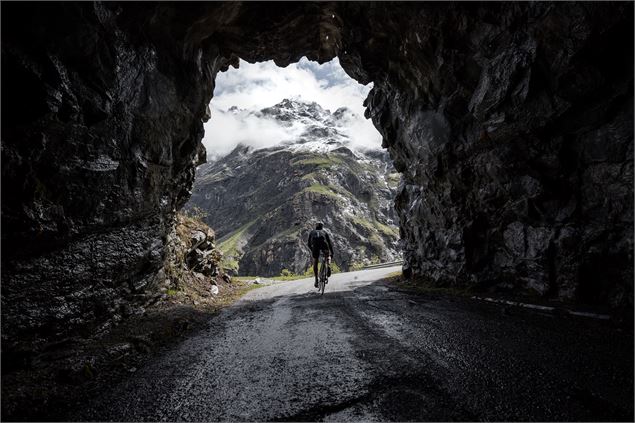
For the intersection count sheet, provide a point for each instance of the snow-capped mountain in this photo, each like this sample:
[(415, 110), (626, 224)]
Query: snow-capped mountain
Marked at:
[(262, 202), (292, 123)]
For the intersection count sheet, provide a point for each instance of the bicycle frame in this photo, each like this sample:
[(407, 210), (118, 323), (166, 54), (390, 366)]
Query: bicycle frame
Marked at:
[(322, 274)]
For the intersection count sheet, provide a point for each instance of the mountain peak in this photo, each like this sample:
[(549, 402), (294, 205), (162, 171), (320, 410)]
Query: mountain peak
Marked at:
[(307, 108), (296, 103), (297, 125)]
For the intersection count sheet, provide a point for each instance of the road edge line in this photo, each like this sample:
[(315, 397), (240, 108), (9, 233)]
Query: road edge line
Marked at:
[(544, 308)]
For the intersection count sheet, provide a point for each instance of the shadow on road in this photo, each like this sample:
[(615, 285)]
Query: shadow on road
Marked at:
[(371, 351)]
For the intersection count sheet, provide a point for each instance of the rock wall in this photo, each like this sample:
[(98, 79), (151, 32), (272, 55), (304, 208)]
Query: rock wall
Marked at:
[(101, 128), (511, 124), (513, 127)]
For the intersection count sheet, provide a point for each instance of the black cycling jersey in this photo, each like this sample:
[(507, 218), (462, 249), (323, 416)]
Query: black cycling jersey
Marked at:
[(313, 243)]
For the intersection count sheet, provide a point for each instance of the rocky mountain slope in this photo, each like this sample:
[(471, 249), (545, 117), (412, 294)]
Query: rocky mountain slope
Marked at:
[(264, 202)]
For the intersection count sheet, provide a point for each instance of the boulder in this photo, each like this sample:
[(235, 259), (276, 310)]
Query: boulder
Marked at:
[(197, 238)]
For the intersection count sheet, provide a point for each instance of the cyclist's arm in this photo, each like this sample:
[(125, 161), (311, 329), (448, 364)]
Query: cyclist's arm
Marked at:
[(328, 241)]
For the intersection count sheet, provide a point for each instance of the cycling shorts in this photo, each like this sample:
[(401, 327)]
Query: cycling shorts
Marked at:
[(316, 253)]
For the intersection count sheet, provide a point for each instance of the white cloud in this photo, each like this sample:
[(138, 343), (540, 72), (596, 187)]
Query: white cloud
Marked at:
[(255, 86), (228, 129), (363, 134)]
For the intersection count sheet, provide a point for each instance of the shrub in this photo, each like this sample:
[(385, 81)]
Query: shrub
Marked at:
[(357, 265)]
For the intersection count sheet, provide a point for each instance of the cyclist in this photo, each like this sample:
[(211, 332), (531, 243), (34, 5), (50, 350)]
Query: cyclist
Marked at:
[(319, 240)]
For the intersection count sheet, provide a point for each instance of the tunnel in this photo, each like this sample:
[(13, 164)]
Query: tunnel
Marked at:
[(511, 125)]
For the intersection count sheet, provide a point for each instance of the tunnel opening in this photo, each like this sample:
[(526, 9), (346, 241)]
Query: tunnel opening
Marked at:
[(288, 148), (478, 114)]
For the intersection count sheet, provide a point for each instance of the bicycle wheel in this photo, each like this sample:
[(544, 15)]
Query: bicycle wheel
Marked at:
[(322, 283)]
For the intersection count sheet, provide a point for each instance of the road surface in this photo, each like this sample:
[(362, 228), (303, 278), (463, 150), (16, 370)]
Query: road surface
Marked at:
[(369, 351)]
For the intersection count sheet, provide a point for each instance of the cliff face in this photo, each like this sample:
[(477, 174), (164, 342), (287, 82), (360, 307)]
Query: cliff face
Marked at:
[(510, 122), (514, 135), (100, 136), (264, 202)]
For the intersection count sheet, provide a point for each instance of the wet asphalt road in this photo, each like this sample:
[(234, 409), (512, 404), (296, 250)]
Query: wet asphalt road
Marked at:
[(368, 351)]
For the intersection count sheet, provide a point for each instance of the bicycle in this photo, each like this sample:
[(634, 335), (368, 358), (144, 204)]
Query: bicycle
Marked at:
[(322, 275)]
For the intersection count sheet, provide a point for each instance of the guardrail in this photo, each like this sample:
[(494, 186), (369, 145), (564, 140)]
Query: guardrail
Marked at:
[(381, 265)]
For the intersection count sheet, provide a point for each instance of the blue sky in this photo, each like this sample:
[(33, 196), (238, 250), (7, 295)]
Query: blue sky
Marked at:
[(259, 85)]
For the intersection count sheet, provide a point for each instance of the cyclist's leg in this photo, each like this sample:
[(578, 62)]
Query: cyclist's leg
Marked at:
[(315, 270), (323, 268)]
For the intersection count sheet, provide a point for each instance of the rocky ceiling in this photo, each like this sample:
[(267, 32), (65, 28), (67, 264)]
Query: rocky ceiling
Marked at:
[(511, 123)]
